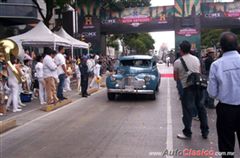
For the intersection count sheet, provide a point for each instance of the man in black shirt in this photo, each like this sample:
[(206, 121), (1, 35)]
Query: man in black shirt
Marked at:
[(84, 76)]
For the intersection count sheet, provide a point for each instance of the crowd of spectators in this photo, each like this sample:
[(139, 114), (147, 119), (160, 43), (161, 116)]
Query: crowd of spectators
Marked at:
[(47, 75)]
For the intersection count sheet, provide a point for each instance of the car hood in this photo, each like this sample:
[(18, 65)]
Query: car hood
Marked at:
[(133, 70)]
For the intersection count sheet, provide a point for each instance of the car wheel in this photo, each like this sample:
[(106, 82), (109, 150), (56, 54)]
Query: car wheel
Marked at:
[(111, 96), (153, 96), (157, 88)]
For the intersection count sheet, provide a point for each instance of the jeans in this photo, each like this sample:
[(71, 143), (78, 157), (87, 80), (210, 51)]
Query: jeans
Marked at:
[(179, 88), (209, 102), (191, 100), (180, 92), (61, 78)]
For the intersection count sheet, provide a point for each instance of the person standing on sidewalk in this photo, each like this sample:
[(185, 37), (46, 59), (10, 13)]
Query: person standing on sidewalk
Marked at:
[(84, 76), (14, 88), (209, 102), (49, 67), (191, 98), (95, 83), (62, 71), (39, 75), (78, 74), (224, 85)]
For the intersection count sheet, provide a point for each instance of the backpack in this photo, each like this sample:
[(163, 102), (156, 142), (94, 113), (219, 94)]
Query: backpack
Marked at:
[(195, 79)]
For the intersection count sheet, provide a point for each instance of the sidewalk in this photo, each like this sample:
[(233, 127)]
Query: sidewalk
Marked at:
[(32, 110)]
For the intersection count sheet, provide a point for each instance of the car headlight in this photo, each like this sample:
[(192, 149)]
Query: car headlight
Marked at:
[(147, 78)]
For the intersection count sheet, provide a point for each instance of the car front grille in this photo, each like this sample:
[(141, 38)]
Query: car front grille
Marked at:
[(131, 81)]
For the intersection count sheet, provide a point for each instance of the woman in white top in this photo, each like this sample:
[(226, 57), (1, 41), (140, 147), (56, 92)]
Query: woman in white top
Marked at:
[(39, 75)]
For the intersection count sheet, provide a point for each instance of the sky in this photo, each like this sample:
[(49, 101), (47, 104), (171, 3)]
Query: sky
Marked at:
[(167, 37)]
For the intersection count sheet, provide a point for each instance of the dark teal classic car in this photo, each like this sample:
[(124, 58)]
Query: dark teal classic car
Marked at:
[(135, 74)]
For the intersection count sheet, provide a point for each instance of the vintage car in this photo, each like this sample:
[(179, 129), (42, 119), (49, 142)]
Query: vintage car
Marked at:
[(135, 74)]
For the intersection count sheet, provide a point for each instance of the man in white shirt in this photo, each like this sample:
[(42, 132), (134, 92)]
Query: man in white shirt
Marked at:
[(224, 77), (48, 74), (61, 70)]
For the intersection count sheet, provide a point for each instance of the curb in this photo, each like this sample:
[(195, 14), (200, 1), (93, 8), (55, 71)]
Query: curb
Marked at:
[(52, 107), (7, 125)]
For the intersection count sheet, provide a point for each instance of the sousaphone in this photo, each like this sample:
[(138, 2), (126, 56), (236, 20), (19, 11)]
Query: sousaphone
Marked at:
[(7, 48)]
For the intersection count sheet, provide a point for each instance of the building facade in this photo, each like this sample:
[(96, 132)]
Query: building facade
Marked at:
[(14, 13)]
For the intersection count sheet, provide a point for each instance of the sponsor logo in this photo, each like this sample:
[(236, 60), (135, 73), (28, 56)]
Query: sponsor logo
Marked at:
[(187, 32)]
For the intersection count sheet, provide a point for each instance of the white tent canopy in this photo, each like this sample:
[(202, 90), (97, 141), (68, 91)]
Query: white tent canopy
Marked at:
[(40, 36), (74, 42)]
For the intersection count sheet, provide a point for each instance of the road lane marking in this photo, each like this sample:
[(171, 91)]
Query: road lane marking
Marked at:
[(169, 120)]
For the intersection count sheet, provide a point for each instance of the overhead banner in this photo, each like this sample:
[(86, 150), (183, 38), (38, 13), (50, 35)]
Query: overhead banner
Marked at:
[(186, 17), (138, 20), (220, 15), (187, 23), (89, 25)]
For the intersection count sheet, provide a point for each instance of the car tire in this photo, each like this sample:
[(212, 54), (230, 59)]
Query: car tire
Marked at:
[(111, 96), (157, 88), (153, 96)]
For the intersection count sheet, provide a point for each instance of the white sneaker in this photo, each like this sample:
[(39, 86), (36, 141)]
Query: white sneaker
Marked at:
[(21, 104), (183, 136), (17, 110), (43, 103)]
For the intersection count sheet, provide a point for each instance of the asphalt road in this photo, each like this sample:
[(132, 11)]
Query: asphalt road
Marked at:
[(93, 127)]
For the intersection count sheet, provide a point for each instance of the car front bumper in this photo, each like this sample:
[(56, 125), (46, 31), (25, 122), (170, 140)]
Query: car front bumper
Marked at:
[(132, 91)]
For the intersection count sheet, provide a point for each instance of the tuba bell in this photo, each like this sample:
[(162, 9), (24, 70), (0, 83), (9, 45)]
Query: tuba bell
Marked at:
[(8, 48)]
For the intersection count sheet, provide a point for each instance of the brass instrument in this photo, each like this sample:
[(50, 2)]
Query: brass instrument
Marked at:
[(8, 47)]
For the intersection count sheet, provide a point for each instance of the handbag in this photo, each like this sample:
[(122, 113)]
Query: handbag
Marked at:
[(194, 78)]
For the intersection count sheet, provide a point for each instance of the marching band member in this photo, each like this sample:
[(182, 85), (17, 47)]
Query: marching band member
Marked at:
[(39, 75), (13, 85)]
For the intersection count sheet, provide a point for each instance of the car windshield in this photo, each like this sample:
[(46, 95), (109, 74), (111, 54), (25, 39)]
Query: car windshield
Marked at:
[(136, 63)]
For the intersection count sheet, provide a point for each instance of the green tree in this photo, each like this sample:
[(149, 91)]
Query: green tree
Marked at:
[(50, 5), (210, 37), (112, 41), (237, 32), (139, 43)]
